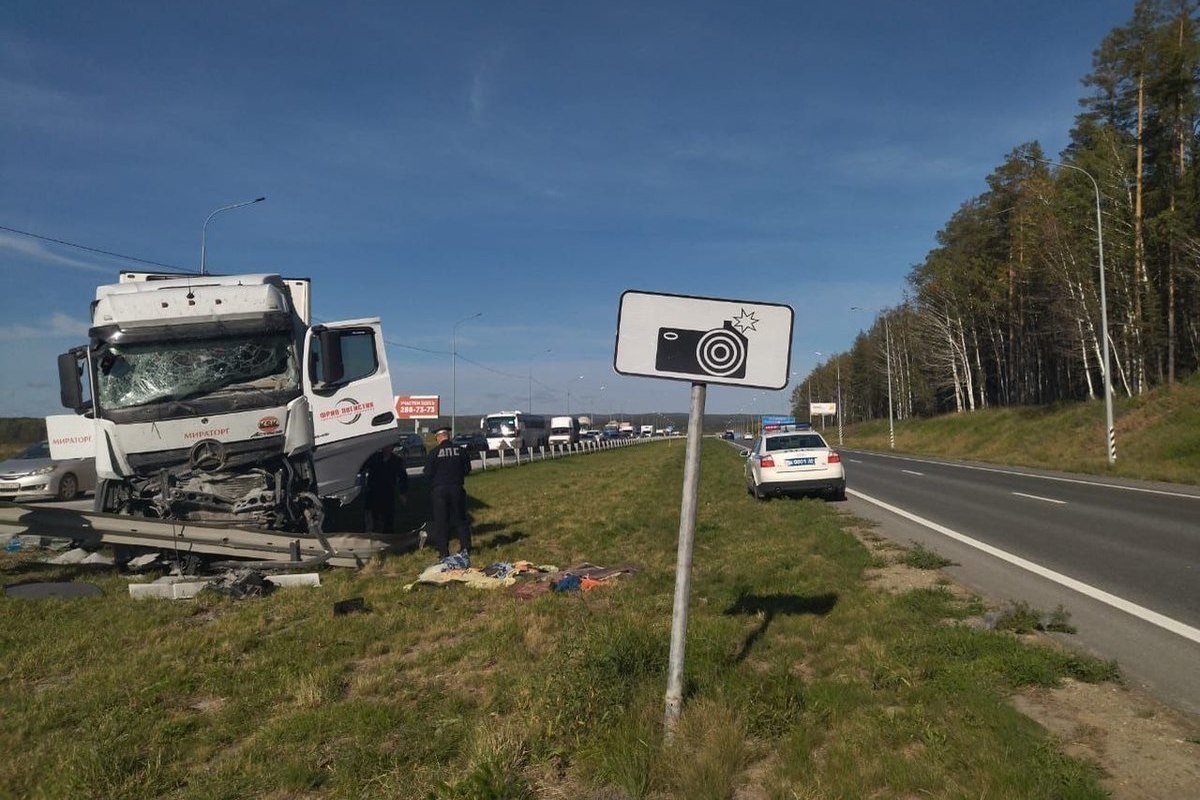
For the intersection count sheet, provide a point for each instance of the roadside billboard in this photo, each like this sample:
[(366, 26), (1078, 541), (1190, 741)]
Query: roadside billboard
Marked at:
[(417, 406)]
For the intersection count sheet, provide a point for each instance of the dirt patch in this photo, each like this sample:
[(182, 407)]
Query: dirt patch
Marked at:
[(892, 575), (1146, 750)]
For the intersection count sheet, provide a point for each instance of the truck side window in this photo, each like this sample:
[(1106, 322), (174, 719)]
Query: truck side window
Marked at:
[(358, 354)]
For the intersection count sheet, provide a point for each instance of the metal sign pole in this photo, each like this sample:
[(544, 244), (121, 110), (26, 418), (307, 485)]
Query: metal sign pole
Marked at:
[(683, 559)]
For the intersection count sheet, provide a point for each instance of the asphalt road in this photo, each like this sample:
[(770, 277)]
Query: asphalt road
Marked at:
[(1122, 557)]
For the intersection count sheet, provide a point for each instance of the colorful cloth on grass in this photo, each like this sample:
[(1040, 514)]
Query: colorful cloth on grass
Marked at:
[(583, 577), (493, 576), (526, 578)]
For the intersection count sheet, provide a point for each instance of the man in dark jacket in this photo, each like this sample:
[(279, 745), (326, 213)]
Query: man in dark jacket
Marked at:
[(446, 466), (385, 478)]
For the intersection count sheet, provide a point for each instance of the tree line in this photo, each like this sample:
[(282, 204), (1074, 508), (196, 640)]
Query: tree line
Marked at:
[(1007, 308)]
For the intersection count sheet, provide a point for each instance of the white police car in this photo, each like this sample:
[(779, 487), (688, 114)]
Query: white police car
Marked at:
[(794, 462)]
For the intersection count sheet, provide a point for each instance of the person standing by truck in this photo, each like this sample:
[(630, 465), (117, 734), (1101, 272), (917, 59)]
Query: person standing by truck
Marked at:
[(385, 478), (446, 467)]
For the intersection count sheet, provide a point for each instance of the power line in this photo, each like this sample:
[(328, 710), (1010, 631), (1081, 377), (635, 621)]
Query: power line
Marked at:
[(95, 250), (489, 369), (418, 349), (387, 342)]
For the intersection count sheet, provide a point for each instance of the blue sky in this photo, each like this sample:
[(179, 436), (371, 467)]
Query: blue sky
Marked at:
[(528, 160)]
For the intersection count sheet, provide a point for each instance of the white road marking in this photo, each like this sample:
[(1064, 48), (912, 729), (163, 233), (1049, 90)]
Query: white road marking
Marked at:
[(913, 472), (1043, 499), (1121, 604), (1043, 477)]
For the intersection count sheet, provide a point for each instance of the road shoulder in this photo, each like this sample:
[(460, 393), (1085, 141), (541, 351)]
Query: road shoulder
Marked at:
[(1146, 749)]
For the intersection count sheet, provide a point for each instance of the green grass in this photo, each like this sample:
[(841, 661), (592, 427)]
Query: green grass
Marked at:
[(1157, 435), (921, 557), (799, 679)]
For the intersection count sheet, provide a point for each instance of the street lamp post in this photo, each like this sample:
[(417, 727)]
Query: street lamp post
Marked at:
[(204, 229), (818, 354), (1110, 431), (531, 357), (887, 330), (454, 371), (569, 393), (839, 400)]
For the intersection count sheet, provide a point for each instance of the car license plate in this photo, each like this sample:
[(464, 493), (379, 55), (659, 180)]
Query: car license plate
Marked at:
[(802, 462), (9, 487)]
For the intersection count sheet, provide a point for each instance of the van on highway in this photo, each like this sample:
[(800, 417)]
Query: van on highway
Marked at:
[(563, 431)]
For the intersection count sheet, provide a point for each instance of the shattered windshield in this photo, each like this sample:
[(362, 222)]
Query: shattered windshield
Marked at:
[(134, 375)]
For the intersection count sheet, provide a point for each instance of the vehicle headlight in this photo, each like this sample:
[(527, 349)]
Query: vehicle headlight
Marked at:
[(43, 470)]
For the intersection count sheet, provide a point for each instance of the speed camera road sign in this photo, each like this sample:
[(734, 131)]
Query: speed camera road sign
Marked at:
[(704, 339)]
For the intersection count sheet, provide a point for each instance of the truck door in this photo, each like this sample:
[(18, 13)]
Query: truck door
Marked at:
[(347, 381)]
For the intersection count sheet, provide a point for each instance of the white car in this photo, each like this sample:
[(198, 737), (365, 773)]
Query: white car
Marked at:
[(794, 462), (32, 474)]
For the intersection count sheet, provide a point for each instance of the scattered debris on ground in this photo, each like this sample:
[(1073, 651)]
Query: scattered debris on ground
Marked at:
[(524, 577)]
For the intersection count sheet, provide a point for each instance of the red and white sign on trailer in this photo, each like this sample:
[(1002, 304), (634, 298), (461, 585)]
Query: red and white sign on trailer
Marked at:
[(417, 406)]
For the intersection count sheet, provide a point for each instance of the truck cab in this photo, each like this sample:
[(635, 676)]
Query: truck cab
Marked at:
[(213, 398), (564, 431)]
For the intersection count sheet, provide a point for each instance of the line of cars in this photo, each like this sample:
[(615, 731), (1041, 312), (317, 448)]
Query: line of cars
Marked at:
[(412, 446), (476, 442), (777, 463)]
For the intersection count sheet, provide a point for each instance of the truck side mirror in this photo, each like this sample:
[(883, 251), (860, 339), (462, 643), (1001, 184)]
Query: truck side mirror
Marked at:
[(70, 387), (332, 370)]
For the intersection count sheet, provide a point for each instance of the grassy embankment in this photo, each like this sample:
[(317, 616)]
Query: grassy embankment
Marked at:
[(1157, 434), (801, 679)]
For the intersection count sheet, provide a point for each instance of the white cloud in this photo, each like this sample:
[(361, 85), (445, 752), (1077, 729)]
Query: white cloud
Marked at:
[(58, 325), (37, 251), (478, 91), (481, 84)]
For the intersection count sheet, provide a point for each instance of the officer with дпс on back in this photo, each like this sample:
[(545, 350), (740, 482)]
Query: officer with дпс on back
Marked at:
[(446, 466)]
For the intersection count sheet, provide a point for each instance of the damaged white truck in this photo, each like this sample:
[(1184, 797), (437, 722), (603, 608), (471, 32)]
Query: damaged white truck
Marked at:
[(220, 415)]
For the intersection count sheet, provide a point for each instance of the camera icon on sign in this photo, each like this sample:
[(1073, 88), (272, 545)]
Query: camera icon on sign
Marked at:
[(719, 352)]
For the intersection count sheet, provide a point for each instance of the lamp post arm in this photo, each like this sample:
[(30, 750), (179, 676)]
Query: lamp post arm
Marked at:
[(204, 228), (1109, 430), (454, 371)]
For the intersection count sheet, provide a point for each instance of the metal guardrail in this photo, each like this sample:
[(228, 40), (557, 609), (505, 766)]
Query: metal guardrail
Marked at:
[(283, 550), (494, 459), (92, 528)]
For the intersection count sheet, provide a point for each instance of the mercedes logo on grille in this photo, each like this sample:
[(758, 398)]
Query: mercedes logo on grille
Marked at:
[(207, 455)]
